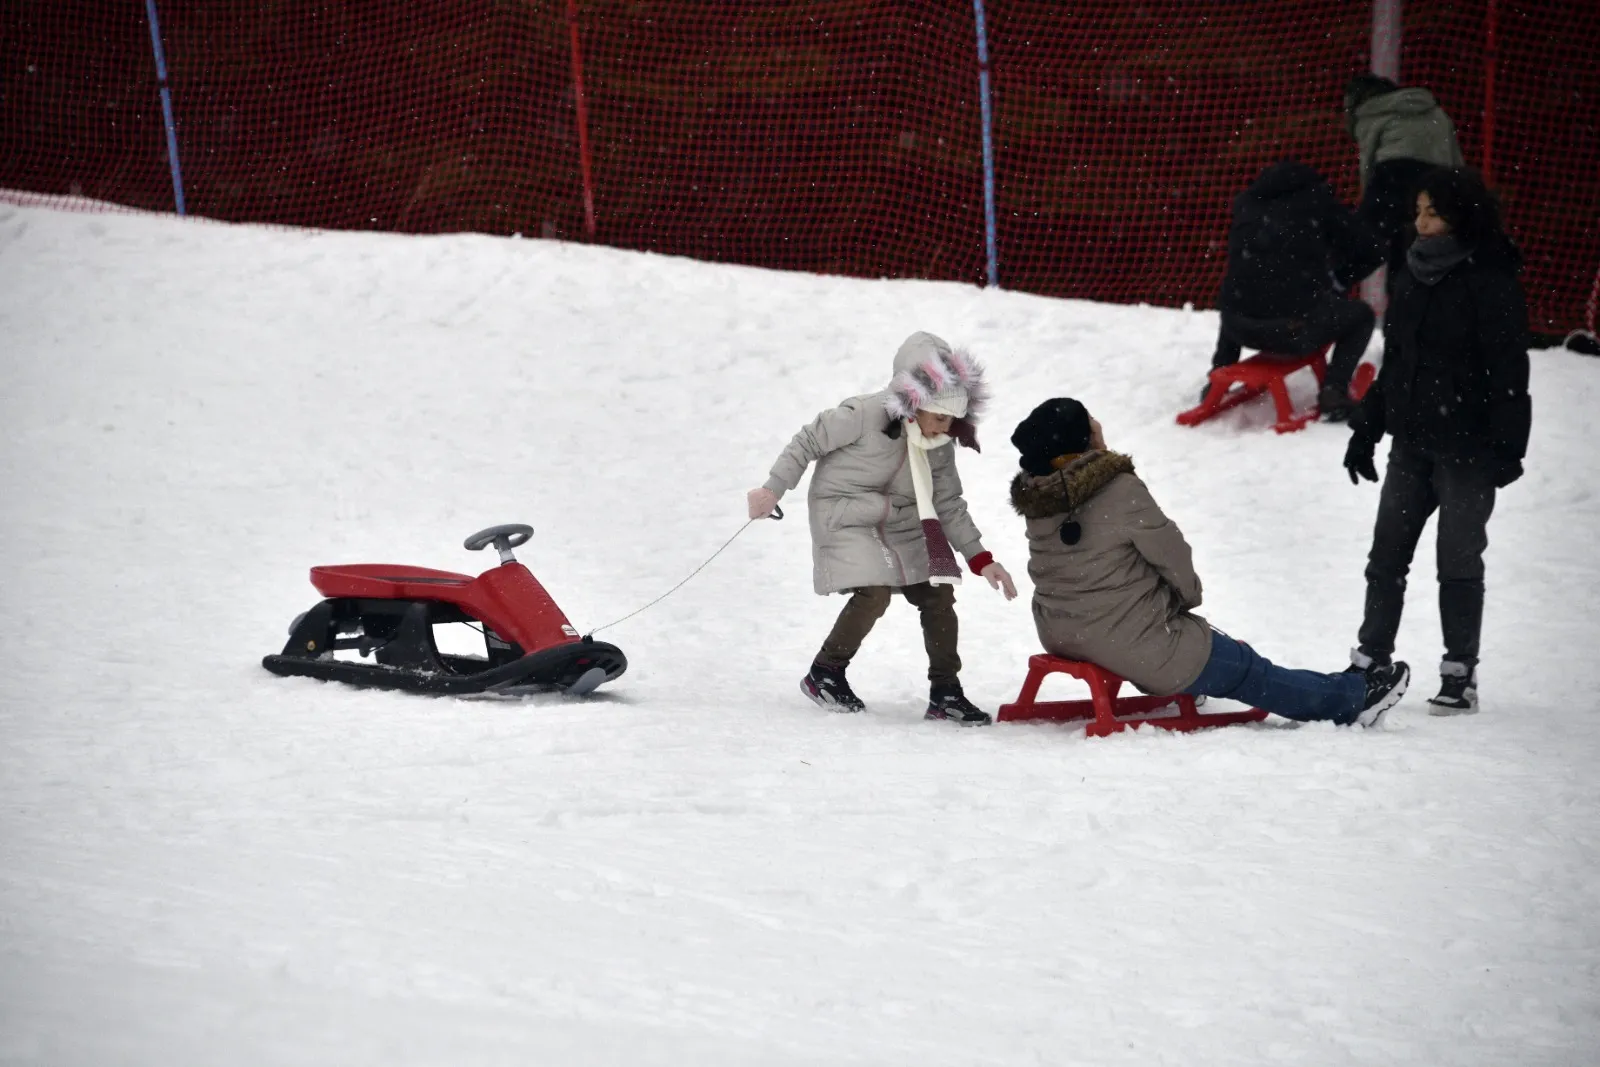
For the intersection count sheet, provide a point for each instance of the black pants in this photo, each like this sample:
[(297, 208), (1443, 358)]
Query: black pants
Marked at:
[(937, 604), (1346, 323), (1414, 486)]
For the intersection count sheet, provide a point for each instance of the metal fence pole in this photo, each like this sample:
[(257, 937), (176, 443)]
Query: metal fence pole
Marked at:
[(584, 163), (1386, 38), (991, 240), (166, 106)]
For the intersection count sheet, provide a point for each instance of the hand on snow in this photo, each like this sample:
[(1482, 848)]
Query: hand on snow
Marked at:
[(762, 502), (999, 579), (1358, 459)]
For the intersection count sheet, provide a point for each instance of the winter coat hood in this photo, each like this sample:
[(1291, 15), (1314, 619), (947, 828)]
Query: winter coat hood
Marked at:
[(1289, 240), (1282, 179), (1405, 124), (1404, 102), (926, 367), (1065, 490)]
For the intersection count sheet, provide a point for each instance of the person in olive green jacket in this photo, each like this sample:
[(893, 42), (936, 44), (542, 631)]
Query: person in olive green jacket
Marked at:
[(1115, 585)]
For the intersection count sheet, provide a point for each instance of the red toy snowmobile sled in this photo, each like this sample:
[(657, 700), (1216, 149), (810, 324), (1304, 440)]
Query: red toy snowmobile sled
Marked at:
[(388, 612)]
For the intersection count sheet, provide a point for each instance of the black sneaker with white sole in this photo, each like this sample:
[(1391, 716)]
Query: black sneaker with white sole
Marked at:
[(1458, 691), (827, 686), (949, 703), (1386, 684)]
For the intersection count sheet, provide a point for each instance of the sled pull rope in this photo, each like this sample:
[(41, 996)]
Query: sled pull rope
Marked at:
[(777, 513)]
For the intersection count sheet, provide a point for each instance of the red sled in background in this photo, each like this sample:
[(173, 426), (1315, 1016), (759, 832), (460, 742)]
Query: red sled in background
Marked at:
[(1249, 378), (387, 612), (1267, 372)]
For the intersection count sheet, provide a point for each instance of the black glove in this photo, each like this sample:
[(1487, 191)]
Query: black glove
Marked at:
[(1506, 471), (1358, 459)]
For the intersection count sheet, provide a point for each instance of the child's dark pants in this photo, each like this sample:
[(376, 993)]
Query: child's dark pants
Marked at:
[(937, 603)]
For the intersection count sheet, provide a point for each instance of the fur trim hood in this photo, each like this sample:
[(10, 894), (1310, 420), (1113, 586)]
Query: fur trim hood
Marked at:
[(926, 366), (1066, 490)]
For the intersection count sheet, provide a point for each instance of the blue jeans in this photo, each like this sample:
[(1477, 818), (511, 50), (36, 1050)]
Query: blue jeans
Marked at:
[(1236, 672)]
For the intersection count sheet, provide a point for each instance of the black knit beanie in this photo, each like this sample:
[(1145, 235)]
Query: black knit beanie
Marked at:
[(1054, 428)]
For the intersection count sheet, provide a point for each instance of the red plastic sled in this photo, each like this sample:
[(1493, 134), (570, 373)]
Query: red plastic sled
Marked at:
[(1107, 713), (1249, 378), (388, 612)]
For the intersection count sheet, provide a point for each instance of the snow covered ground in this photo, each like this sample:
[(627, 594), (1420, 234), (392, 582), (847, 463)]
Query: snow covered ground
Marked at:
[(201, 863)]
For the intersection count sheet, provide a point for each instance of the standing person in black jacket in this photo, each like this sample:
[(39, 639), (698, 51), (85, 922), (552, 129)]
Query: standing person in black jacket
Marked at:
[(1453, 393), (1293, 249)]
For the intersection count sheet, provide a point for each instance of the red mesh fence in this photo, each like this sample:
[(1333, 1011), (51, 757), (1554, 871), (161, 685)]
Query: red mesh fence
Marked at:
[(1544, 158), (837, 135)]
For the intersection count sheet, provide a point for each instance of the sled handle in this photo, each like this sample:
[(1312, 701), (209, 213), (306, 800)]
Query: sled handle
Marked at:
[(504, 538)]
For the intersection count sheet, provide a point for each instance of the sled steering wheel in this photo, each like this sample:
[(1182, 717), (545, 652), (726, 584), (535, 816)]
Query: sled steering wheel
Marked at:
[(504, 538)]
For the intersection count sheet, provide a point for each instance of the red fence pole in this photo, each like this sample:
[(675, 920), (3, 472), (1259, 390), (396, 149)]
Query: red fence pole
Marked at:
[(583, 120), (1489, 49)]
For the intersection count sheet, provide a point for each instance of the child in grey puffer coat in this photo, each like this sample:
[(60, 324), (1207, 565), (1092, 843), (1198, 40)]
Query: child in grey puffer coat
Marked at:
[(887, 515)]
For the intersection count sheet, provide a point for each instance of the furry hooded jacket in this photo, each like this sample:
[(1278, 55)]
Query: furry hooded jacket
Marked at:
[(865, 530)]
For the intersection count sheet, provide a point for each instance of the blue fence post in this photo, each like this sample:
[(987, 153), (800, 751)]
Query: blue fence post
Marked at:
[(166, 106), (991, 242)]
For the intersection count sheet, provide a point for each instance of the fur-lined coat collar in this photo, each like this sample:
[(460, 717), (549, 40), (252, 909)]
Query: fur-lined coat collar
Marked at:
[(1066, 490)]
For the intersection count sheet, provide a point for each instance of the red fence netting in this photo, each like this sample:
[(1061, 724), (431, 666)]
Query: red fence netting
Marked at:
[(841, 136)]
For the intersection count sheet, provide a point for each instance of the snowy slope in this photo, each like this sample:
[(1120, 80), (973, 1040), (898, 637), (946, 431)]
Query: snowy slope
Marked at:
[(201, 863)]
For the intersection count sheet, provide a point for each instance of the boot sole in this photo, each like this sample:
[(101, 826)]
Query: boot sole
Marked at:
[(933, 716), (1442, 710), (822, 700), (1373, 716)]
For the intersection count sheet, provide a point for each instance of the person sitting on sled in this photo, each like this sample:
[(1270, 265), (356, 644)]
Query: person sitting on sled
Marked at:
[(1114, 585), (886, 509)]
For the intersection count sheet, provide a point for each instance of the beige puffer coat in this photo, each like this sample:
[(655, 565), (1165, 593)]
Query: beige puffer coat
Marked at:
[(864, 525), (1123, 595)]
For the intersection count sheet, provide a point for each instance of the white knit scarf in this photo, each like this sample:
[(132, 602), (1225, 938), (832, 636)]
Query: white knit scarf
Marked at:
[(942, 567)]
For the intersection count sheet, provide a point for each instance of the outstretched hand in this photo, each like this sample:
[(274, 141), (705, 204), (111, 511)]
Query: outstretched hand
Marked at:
[(999, 579), (763, 502)]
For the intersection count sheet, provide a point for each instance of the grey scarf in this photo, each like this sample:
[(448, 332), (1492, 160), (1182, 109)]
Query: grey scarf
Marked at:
[(1431, 258)]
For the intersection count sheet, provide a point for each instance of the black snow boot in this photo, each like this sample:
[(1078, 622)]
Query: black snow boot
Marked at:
[(1386, 684), (827, 686), (1458, 690), (949, 703)]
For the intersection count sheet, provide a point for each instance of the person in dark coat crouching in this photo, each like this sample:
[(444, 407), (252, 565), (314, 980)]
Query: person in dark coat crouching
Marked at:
[(1293, 250), (1453, 395), (1114, 584)]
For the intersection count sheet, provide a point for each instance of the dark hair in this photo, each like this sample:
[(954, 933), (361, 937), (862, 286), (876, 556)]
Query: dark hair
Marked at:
[(1460, 197), (1364, 87)]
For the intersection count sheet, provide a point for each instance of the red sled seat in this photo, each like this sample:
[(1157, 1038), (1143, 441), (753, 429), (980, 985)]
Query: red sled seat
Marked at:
[(1249, 378), (385, 581), (1107, 713)]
